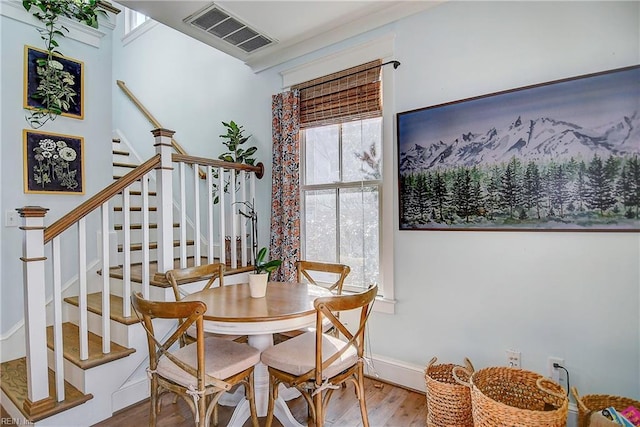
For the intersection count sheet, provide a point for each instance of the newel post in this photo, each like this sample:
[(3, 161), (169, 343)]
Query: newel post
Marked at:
[(164, 195), (35, 321)]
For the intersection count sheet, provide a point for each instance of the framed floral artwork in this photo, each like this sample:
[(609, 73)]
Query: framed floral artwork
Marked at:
[(53, 163), (40, 79)]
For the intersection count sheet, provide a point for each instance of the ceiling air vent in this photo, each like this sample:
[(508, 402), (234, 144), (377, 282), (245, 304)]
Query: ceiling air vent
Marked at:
[(222, 25)]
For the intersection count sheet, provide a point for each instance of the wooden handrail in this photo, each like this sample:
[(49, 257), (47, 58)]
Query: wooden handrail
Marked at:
[(96, 201), (154, 122), (203, 161)]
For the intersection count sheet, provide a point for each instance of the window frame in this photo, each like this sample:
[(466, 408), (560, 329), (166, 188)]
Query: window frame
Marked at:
[(380, 48), (130, 32)]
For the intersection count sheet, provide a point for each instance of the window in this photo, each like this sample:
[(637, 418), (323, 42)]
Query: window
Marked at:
[(133, 20), (382, 47), (341, 117), (341, 183)]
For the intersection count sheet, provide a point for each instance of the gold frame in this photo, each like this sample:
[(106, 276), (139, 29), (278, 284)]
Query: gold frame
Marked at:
[(46, 170), (74, 66)]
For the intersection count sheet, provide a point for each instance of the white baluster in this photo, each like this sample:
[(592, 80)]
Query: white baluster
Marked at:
[(210, 213), (145, 237), (58, 349), (82, 294), (234, 218), (243, 220), (183, 216), (221, 203), (106, 291), (196, 214), (126, 248)]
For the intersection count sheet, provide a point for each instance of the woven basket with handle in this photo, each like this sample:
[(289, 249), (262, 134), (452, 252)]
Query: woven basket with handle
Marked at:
[(590, 403), (502, 396), (448, 401)]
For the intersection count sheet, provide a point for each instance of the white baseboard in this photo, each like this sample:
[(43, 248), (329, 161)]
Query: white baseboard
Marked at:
[(412, 377), (130, 394), (397, 372)]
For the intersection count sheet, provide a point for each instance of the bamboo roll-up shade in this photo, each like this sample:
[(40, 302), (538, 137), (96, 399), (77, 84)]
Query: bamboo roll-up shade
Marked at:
[(351, 94)]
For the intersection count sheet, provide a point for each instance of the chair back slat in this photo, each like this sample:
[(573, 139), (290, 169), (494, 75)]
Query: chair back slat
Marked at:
[(327, 308), (183, 276), (313, 272)]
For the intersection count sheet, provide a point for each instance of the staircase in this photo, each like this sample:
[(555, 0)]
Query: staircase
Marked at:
[(94, 364)]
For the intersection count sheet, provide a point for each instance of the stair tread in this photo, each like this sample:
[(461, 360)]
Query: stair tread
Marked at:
[(158, 279), (125, 165), (13, 380), (139, 193), (153, 245), (118, 227), (71, 350), (120, 152), (94, 305), (135, 209)]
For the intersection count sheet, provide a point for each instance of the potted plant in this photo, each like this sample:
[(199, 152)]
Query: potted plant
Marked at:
[(233, 140), (262, 271), (55, 90)]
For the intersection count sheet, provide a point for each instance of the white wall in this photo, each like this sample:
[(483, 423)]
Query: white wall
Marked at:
[(95, 128), (477, 294), (191, 88)]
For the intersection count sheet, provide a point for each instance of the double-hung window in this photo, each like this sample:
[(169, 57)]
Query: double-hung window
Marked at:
[(341, 179)]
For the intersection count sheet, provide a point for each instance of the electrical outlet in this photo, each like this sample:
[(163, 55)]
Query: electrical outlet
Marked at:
[(513, 359), (554, 373), (11, 218)]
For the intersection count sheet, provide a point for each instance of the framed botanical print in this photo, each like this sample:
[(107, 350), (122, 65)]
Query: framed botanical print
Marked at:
[(62, 75), (53, 163)]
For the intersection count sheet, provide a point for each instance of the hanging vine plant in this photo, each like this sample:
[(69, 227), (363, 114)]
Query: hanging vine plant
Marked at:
[(55, 90)]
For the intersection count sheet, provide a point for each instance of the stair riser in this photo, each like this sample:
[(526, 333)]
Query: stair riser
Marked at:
[(136, 256), (136, 186), (136, 235), (156, 293), (122, 170), (119, 332), (135, 217), (135, 200), (72, 373)]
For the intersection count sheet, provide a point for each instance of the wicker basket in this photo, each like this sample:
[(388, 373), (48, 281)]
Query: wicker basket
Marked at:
[(448, 402), (502, 396), (591, 403)]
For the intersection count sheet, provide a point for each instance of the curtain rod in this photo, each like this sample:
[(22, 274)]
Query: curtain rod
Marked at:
[(395, 64)]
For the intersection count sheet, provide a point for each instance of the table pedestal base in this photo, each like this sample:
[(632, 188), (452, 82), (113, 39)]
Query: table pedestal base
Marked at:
[(261, 385)]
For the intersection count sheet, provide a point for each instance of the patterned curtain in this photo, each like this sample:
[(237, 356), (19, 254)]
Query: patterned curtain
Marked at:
[(285, 190)]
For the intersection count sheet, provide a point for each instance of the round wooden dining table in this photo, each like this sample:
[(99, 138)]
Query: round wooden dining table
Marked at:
[(231, 310)]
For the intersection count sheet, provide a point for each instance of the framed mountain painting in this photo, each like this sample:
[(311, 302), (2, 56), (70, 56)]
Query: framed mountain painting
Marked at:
[(558, 156)]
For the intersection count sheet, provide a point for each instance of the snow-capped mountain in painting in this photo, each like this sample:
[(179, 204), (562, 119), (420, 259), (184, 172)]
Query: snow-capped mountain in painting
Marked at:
[(540, 140)]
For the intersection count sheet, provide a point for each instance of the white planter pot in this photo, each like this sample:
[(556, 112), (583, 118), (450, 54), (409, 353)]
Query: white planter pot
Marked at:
[(258, 284)]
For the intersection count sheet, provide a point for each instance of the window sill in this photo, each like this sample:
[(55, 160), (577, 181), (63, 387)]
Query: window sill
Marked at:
[(383, 305)]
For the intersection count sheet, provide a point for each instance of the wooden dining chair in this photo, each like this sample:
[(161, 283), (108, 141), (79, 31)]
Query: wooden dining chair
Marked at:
[(316, 363), (181, 277), (199, 372), (327, 275)]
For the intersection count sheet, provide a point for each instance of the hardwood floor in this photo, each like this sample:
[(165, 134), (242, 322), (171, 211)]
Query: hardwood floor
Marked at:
[(387, 405)]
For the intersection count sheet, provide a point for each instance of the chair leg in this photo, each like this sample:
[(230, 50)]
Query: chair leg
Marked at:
[(250, 394), (319, 410), (202, 412), (153, 410), (273, 395), (363, 404)]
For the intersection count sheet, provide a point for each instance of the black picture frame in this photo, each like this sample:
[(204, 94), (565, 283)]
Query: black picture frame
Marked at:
[(75, 69), (557, 156), (53, 163)]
